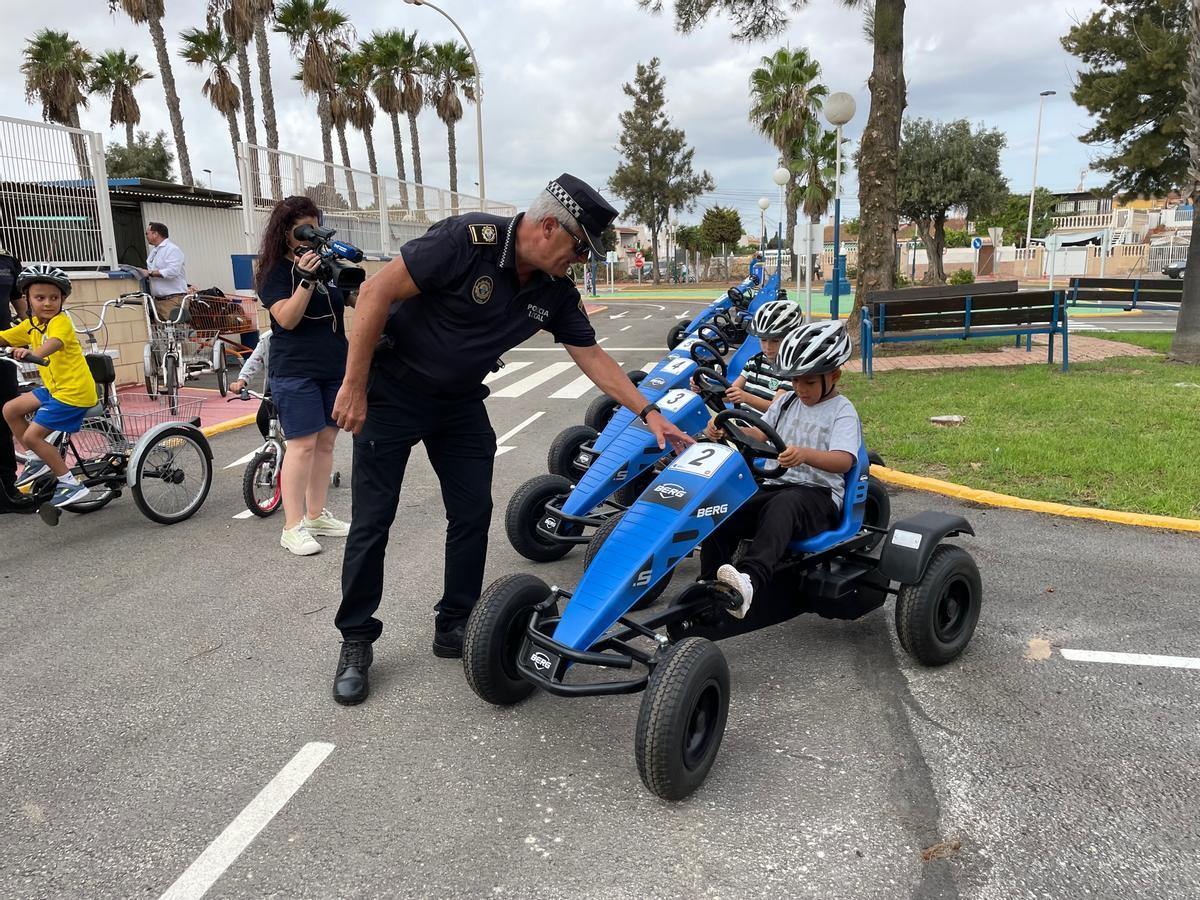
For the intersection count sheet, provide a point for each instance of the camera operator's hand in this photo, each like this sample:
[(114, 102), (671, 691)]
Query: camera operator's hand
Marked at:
[(350, 407), (309, 263)]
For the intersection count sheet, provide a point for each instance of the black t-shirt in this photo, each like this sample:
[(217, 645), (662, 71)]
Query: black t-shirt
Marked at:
[(472, 308), (316, 347), (10, 268)]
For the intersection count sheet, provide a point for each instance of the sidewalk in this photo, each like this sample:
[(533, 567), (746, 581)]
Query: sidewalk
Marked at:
[(1082, 349)]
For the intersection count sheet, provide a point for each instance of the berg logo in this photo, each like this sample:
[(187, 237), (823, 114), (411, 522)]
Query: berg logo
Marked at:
[(718, 510), (667, 491), (540, 661)]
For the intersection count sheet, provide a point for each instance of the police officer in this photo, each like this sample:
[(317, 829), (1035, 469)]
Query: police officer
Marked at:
[(465, 292), (11, 500)]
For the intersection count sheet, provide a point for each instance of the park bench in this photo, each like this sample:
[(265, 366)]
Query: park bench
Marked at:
[(961, 312), (1126, 292)]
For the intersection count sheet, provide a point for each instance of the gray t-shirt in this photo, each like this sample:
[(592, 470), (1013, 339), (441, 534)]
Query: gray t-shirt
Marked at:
[(830, 425)]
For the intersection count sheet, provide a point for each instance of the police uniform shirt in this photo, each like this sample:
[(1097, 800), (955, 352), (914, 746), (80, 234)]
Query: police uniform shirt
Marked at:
[(471, 307)]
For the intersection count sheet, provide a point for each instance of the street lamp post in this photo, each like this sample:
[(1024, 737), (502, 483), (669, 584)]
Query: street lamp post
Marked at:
[(781, 177), (1037, 143), (763, 203), (839, 109), (478, 95)]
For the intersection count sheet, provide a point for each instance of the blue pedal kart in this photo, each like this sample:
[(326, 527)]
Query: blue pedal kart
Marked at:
[(524, 634), (728, 313)]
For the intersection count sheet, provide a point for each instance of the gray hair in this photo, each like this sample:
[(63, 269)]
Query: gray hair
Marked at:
[(546, 206)]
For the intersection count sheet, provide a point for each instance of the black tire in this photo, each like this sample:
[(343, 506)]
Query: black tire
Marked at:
[(561, 459), (161, 470), (103, 495), (936, 617), (493, 638), (525, 510), (676, 333), (636, 375), (223, 375), (874, 458), (599, 411), (171, 380), (878, 512), (593, 547), (260, 484), (682, 718), (628, 493)]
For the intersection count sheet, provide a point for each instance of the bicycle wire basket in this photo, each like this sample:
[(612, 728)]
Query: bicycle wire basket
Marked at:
[(119, 430)]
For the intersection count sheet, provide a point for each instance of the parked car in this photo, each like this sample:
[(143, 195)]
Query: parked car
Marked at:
[(1175, 269)]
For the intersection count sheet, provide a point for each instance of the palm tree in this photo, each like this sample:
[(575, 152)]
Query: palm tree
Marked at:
[(150, 13), (351, 105), (320, 33), (210, 47), (387, 51), (450, 69), (815, 163), (115, 74), (55, 70), (785, 99), (238, 23)]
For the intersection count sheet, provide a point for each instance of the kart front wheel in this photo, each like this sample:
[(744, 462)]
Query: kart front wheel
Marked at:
[(493, 638), (936, 617), (677, 333), (525, 512), (601, 409), (564, 451), (598, 540), (682, 718)]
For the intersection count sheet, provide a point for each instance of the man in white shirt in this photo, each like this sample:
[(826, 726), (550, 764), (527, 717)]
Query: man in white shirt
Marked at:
[(164, 270)]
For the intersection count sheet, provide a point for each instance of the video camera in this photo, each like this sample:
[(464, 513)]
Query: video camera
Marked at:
[(336, 257)]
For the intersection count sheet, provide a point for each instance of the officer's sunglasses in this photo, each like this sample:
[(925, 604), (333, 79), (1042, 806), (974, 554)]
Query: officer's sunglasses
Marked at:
[(582, 247)]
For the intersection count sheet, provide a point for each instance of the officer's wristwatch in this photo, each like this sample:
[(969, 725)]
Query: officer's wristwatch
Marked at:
[(650, 407)]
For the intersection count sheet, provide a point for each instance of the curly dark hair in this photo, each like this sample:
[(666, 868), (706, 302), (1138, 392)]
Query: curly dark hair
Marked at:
[(274, 241)]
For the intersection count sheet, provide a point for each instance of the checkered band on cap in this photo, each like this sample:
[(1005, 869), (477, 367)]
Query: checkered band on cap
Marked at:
[(559, 193)]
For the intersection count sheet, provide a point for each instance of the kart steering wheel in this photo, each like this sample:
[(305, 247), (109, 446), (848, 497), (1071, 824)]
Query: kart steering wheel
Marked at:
[(750, 447), (715, 362), (712, 386), (714, 336)]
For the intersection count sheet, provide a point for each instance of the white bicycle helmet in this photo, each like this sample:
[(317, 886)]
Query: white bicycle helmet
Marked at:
[(814, 349), (775, 319), (41, 273)]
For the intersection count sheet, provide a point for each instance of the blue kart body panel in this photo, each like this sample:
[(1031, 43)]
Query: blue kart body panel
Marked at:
[(689, 499), (672, 372), (723, 303)]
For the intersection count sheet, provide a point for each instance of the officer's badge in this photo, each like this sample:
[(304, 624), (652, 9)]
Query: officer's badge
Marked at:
[(482, 291), (482, 234)]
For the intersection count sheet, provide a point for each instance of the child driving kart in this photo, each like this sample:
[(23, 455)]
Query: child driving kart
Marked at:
[(760, 385), (823, 433)]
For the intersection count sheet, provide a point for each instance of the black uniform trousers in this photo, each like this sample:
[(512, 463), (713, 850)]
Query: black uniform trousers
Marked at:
[(8, 456), (402, 409), (773, 517)]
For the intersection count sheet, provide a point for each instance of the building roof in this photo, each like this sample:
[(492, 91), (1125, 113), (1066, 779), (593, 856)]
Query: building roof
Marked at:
[(153, 189)]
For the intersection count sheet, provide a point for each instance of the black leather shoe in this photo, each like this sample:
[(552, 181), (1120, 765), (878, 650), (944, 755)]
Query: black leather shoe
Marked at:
[(447, 642), (350, 685), (13, 501)]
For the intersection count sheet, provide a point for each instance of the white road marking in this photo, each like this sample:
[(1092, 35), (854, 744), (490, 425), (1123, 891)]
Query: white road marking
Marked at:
[(561, 350), (500, 451), (244, 514), (644, 318), (575, 389), (620, 315), (650, 365), (508, 369), (684, 314), (222, 852), (241, 461), (602, 340), (627, 327), (529, 382), (1131, 659)]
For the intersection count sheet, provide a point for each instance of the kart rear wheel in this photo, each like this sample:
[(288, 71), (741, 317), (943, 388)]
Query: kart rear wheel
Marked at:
[(599, 412), (628, 493), (878, 512), (677, 333), (936, 617), (682, 718), (593, 548), (527, 508), (493, 638), (564, 450)]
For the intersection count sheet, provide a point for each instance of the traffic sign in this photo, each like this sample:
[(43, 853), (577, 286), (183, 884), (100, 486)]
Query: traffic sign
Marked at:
[(976, 243), (639, 260)]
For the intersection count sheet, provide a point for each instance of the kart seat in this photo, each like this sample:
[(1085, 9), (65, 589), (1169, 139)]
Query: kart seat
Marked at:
[(854, 505)]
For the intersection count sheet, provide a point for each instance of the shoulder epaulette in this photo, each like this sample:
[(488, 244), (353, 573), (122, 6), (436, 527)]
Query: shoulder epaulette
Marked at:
[(482, 233)]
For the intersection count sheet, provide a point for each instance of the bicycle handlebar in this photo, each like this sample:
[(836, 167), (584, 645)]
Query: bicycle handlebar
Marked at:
[(246, 394), (6, 353)]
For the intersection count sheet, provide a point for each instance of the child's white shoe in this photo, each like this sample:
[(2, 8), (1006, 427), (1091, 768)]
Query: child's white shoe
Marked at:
[(741, 583)]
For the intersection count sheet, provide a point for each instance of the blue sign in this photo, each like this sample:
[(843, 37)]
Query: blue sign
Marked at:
[(976, 243)]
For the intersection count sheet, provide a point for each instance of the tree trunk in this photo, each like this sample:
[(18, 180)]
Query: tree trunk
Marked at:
[(398, 141), (326, 119), (129, 135), (452, 148), (79, 146), (267, 94), (1185, 346), (243, 61), (878, 158), (416, 155), (235, 135), (933, 237), (173, 108), (350, 189)]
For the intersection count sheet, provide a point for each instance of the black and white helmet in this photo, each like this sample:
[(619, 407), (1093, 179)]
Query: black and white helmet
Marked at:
[(814, 349), (41, 273), (775, 319)]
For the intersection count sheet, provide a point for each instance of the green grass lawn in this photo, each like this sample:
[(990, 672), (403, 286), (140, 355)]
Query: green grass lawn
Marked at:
[(1116, 434), (928, 348)]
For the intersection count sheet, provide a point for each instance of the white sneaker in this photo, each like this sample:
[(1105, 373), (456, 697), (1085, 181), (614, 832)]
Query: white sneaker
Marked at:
[(299, 541), (740, 582), (325, 524)]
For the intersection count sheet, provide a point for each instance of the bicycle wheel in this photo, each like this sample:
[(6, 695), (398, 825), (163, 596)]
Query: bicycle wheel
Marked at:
[(171, 373), (260, 484), (150, 371), (85, 452), (220, 367), (173, 476)]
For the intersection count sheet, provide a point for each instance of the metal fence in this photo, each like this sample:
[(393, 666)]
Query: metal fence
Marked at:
[(351, 199), (54, 205)]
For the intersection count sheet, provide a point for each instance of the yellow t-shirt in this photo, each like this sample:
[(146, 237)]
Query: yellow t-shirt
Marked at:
[(67, 378)]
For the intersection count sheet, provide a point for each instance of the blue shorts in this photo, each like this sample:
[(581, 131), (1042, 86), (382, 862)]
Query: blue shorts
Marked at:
[(305, 405), (56, 415)]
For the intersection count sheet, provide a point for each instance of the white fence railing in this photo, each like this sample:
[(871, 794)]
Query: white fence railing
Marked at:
[(54, 205), (1100, 221), (351, 199)]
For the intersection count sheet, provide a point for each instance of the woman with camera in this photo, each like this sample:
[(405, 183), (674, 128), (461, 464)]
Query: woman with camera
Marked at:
[(308, 360)]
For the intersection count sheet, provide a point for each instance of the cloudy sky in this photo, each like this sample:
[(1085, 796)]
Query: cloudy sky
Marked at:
[(552, 76)]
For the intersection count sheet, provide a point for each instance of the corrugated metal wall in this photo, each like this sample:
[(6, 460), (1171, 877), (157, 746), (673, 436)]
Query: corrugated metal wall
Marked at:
[(207, 235)]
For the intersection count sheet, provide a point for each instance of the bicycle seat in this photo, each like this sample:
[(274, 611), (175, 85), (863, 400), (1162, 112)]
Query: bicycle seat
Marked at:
[(101, 366)]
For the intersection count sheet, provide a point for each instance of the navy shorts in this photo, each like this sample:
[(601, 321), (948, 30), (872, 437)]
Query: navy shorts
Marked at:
[(305, 405), (56, 415)]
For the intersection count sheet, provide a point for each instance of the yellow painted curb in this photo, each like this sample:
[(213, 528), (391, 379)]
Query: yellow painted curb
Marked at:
[(991, 498), (231, 425)]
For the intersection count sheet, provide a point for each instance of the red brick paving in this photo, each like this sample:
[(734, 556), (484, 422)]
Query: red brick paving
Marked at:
[(1082, 349)]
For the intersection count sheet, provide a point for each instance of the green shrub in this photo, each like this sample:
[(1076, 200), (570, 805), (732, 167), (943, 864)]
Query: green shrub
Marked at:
[(961, 276), (902, 280)]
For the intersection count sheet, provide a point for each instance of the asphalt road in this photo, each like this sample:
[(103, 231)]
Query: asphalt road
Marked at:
[(155, 679)]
